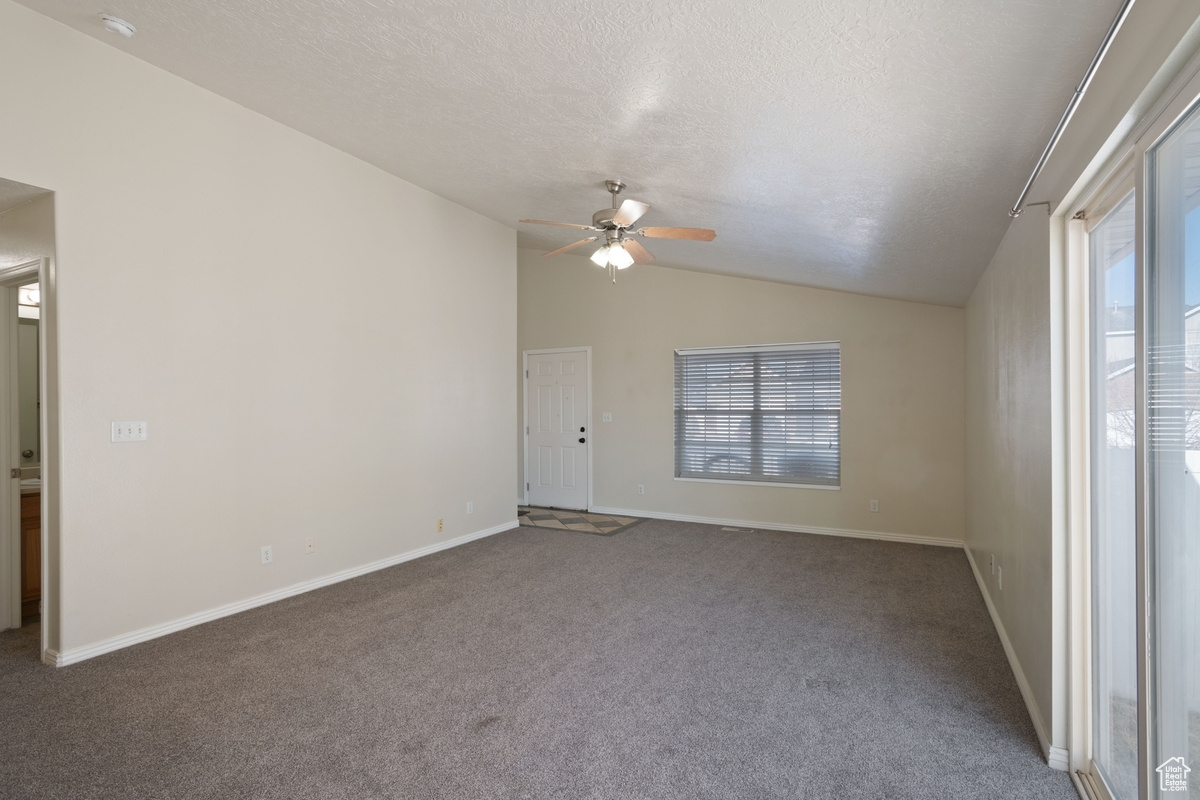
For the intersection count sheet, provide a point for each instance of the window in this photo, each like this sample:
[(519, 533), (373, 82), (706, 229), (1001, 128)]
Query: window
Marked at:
[(1111, 245), (1172, 448), (767, 414)]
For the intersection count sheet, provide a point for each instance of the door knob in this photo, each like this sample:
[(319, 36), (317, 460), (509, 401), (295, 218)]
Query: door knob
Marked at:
[(581, 429), (582, 440)]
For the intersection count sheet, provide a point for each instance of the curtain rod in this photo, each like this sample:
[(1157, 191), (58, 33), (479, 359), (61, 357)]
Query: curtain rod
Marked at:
[(1019, 206)]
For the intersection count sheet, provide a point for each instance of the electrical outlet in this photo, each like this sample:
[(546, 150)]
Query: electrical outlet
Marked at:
[(1000, 578), (309, 546), (641, 489), (267, 558), (875, 506), (129, 431), (441, 524), (470, 506), (606, 416)]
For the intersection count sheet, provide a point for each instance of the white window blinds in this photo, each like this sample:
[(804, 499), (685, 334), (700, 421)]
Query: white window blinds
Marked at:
[(761, 414)]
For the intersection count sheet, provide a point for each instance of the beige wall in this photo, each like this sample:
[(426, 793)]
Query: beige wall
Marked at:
[(319, 348), (903, 406), (1016, 387), (1008, 440)]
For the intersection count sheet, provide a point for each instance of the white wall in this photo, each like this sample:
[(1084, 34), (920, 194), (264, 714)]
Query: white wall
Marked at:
[(902, 390), (1017, 492), (319, 348)]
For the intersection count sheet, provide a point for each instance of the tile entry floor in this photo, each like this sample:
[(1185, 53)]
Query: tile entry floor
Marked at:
[(581, 521)]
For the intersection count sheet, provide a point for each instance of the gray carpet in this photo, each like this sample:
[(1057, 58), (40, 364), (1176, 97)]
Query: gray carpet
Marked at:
[(669, 661)]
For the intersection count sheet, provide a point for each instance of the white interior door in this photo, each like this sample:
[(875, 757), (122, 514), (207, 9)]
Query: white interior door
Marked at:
[(559, 433)]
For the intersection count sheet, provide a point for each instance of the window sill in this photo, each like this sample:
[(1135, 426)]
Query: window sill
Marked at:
[(760, 483)]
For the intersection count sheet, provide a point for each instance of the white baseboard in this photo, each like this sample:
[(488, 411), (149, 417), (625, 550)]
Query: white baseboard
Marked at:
[(774, 526), (76, 654), (1057, 757)]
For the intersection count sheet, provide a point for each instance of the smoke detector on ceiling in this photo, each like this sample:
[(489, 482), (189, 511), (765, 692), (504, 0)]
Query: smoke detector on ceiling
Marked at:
[(117, 25)]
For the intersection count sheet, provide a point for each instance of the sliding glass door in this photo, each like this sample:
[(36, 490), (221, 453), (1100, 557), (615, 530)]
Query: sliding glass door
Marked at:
[(1173, 456), (1134, 354), (1111, 247)]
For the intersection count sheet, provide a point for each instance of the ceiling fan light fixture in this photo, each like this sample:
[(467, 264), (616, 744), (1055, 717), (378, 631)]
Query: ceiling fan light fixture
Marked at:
[(620, 250), (619, 257)]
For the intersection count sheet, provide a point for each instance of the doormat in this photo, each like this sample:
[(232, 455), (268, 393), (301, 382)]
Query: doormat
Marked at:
[(578, 521)]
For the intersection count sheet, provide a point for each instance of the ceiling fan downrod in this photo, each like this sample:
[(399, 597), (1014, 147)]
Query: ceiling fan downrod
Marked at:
[(614, 187)]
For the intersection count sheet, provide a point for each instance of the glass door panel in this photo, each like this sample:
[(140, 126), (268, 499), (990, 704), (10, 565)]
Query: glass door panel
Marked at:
[(1173, 455), (1111, 245)]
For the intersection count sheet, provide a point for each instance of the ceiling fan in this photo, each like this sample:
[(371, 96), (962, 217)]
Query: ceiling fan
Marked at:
[(614, 224)]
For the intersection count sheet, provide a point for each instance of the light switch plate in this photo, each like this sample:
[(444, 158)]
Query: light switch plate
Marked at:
[(129, 431), (606, 416)]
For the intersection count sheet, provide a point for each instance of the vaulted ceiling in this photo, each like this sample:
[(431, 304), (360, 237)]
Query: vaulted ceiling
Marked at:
[(871, 146)]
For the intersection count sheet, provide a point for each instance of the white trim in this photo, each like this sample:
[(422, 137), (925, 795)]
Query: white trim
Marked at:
[(762, 483), (525, 354), (1079, 501), (1056, 757), (775, 526), (20, 273), (77, 654), (758, 348)]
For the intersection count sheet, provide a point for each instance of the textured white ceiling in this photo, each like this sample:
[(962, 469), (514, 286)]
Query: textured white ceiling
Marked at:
[(13, 194), (872, 146)]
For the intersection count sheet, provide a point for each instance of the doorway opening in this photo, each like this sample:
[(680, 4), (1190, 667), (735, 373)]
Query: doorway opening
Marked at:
[(29, 403), (28, 544)]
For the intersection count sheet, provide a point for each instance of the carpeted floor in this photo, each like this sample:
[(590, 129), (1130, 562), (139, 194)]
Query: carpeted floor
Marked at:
[(671, 661)]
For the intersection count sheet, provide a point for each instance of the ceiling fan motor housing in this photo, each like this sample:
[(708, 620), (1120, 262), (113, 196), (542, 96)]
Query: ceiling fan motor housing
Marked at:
[(603, 219)]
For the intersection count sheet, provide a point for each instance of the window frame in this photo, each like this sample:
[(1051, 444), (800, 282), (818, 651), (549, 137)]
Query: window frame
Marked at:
[(735, 350)]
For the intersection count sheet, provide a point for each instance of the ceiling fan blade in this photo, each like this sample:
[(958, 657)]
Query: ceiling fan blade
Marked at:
[(564, 224), (640, 254), (695, 234), (570, 247), (630, 212)]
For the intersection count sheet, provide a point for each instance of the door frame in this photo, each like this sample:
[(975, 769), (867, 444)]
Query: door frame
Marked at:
[(10, 503), (525, 354)]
